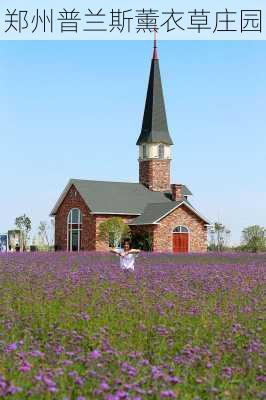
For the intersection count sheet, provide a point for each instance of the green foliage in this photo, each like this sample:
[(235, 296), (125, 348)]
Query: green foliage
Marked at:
[(142, 241), (24, 225), (113, 231), (254, 238)]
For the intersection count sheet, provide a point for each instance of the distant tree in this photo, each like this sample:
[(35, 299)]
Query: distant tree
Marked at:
[(23, 223), (220, 236), (254, 238), (113, 231), (43, 233)]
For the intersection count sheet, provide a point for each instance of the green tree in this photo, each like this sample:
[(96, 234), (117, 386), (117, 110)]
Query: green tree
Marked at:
[(23, 223), (254, 238), (219, 237), (142, 241), (113, 231)]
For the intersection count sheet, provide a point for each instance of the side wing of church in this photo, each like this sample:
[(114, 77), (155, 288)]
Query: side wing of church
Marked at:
[(153, 206)]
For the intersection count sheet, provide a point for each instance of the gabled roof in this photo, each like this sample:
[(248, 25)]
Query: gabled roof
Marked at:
[(124, 198), (113, 197), (154, 125), (153, 213)]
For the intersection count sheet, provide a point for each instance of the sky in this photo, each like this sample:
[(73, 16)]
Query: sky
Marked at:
[(73, 109)]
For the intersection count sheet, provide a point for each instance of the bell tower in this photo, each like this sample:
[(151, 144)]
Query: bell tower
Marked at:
[(154, 141)]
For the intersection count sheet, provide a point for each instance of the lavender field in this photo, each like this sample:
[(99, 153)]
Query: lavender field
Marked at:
[(179, 327)]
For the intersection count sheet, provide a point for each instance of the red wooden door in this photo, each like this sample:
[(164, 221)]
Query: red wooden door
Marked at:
[(180, 242)]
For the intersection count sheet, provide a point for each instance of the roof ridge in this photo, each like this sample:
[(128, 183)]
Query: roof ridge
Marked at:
[(100, 181)]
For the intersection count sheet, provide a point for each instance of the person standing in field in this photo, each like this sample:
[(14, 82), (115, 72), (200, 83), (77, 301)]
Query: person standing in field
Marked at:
[(127, 256)]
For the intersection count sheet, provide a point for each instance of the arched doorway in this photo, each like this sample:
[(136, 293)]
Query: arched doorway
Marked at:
[(181, 239), (74, 221)]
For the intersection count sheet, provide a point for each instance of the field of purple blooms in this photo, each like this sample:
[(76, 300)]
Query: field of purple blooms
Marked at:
[(75, 327)]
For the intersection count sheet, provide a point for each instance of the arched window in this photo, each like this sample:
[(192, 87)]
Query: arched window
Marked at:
[(74, 224), (161, 151), (181, 229), (144, 149)]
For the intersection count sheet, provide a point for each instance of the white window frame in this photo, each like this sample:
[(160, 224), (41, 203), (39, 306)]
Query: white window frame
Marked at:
[(180, 229), (70, 229)]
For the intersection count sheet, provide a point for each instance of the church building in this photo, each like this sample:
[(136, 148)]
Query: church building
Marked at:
[(153, 206)]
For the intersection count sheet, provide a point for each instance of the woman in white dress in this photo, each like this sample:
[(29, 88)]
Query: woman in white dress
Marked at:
[(127, 256)]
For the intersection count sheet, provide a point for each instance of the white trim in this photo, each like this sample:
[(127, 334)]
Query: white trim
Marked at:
[(147, 223), (182, 226), (157, 222), (70, 230), (186, 204), (61, 198)]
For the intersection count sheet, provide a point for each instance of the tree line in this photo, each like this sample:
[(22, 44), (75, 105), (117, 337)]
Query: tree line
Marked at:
[(253, 238)]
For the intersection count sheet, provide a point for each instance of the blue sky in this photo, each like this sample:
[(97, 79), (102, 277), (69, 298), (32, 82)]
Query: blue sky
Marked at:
[(74, 110)]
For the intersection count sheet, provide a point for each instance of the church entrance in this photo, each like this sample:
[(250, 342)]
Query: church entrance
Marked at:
[(180, 240)]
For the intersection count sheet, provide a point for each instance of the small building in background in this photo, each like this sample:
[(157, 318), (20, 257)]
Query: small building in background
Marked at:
[(15, 240)]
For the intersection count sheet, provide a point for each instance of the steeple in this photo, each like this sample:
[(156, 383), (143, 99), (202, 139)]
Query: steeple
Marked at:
[(154, 125), (155, 53)]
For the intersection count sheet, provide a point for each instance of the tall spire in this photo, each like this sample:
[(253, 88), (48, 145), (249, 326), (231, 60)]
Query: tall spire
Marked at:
[(154, 125), (155, 53)]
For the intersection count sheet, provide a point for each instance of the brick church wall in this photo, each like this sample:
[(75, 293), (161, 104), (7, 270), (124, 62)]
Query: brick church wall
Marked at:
[(74, 200), (163, 233), (155, 174)]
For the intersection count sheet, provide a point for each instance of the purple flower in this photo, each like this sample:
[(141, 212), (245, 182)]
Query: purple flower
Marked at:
[(168, 394), (228, 372), (261, 378), (104, 386), (95, 354), (25, 366), (11, 347)]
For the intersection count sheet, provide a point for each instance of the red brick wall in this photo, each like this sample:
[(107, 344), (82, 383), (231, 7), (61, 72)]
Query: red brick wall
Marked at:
[(74, 200), (155, 174), (163, 239), (177, 192)]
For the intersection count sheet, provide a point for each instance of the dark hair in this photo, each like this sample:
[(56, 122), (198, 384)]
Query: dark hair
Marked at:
[(127, 241)]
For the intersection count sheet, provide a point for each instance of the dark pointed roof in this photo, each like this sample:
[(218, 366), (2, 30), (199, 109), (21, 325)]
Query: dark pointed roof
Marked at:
[(154, 126)]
